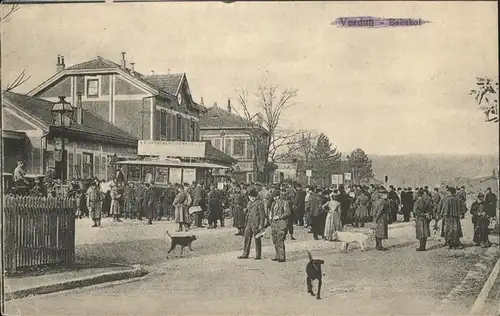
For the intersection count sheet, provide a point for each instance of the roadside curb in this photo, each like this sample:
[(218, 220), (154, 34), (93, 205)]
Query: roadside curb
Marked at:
[(478, 306), (136, 272), (477, 272)]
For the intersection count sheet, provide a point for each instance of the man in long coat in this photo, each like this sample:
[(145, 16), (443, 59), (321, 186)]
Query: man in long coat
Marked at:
[(255, 221), (423, 215), (198, 200), (361, 214), (481, 222), (407, 202), (317, 214), (239, 202), (180, 208), (214, 206), (94, 204), (380, 215), (115, 203), (300, 205), (280, 211), (148, 200), (491, 203), (452, 210), (394, 204)]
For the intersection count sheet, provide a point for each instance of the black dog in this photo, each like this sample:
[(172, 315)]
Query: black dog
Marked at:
[(183, 241), (313, 270)]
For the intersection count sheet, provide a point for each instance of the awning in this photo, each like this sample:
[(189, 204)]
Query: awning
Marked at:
[(8, 134), (170, 163)]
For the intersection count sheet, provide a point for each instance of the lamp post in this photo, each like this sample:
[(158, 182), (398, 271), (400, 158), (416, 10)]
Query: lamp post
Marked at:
[(62, 118)]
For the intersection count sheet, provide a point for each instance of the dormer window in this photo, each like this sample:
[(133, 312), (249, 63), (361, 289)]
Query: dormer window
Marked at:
[(179, 99)]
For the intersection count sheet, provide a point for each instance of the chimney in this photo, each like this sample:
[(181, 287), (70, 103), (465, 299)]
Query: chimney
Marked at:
[(60, 63), (201, 101), (124, 62), (132, 66), (229, 105), (152, 72), (79, 110), (215, 103)]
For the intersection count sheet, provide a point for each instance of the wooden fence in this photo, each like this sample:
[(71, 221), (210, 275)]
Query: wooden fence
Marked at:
[(38, 231)]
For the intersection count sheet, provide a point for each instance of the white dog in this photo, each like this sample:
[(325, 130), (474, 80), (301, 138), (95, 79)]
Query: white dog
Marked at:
[(347, 238)]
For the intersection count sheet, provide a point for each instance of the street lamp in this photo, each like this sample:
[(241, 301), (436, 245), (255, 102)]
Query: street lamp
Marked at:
[(62, 117), (62, 113)]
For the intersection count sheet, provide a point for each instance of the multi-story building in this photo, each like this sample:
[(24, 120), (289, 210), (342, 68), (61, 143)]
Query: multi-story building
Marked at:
[(230, 133), (149, 107), (90, 143)]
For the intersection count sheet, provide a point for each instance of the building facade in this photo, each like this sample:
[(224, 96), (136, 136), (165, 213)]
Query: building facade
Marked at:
[(230, 133), (148, 107), (90, 143)]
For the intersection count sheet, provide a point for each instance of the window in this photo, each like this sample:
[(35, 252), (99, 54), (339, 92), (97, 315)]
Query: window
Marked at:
[(92, 88), (216, 143), (193, 131), (250, 177), (77, 174), (163, 123), (179, 127), (134, 173), (239, 147), (249, 149), (88, 165), (70, 165), (227, 146)]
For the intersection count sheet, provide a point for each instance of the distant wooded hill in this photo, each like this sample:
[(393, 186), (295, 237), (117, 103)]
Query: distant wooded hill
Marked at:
[(419, 169)]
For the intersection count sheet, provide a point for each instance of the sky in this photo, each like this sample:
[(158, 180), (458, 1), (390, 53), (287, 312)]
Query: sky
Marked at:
[(385, 90)]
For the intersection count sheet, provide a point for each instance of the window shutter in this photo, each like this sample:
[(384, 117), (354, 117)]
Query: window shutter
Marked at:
[(170, 127), (70, 165), (227, 146), (78, 166), (97, 165), (104, 168)]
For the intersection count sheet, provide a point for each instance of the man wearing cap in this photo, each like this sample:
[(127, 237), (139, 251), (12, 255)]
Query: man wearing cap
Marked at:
[(255, 220), (317, 214), (394, 203), (407, 202), (462, 195), (280, 211), (452, 209), (481, 222), (423, 214), (380, 215), (300, 204)]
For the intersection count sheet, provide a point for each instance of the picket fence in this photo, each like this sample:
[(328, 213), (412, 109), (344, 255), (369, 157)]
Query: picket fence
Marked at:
[(38, 231)]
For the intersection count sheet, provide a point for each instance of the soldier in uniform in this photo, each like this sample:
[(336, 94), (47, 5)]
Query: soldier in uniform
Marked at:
[(239, 202), (280, 211), (128, 200), (94, 204), (255, 221), (380, 216), (423, 215)]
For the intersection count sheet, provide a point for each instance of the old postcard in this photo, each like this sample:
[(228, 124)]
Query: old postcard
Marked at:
[(249, 158)]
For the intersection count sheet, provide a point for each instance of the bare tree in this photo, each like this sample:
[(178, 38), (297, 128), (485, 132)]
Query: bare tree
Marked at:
[(486, 96), (268, 138), (22, 77), (302, 146)]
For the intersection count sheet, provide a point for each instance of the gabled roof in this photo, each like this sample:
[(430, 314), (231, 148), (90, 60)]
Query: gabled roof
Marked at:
[(218, 118), (169, 83), (97, 63), (213, 154), (91, 123)]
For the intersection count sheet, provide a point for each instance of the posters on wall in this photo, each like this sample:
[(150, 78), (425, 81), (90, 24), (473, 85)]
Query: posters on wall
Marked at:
[(161, 175), (175, 175), (189, 175)]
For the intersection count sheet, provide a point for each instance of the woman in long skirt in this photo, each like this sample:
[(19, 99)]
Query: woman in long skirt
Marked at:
[(333, 218)]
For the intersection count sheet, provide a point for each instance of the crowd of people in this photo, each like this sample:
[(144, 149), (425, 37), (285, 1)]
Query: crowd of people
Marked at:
[(255, 207)]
